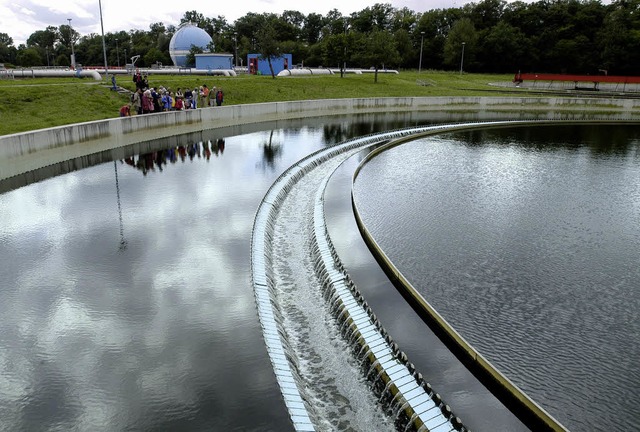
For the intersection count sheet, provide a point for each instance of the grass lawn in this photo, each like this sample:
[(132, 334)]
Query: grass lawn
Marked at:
[(29, 104)]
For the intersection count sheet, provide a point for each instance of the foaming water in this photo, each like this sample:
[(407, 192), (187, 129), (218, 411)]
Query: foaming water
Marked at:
[(330, 378), (524, 241)]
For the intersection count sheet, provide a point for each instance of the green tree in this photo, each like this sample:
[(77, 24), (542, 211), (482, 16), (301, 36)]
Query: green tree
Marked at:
[(7, 51), (334, 23), (505, 48), (406, 50), (29, 57), (154, 55), (619, 37), (403, 19), (312, 28), (89, 50), (462, 31), (191, 56), (267, 43), (336, 50), (378, 51)]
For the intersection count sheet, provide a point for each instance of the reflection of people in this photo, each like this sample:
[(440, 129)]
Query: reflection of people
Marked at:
[(157, 161), (207, 150)]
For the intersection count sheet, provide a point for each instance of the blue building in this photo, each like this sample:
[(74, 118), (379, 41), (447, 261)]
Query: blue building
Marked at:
[(182, 40), (214, 61), (260, 66)]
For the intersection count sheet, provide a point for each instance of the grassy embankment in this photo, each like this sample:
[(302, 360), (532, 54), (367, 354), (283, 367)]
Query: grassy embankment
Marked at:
[(29, 104)]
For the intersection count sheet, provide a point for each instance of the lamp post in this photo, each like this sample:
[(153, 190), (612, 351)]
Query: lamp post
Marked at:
[(73, 56), (117, 52), (344, 54), (104, 45), (462, 58), (421, 45), (235, 43)]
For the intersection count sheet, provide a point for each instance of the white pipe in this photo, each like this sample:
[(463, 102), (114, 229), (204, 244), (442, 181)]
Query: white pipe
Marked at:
[(304, 71), (173, 71), (38, 73), (330, 71)]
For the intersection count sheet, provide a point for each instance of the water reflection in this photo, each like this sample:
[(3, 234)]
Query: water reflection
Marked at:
[(149, 162), (271, 151), (598, 140), (160, 332)]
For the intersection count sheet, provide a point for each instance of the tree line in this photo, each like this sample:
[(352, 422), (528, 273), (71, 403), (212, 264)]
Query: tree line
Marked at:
[(555, 36)]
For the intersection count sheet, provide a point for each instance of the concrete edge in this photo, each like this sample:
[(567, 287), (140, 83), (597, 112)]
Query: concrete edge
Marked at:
[(23, 152)]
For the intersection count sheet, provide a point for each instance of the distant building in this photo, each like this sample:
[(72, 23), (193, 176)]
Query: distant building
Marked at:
[(214, 61), (260, 66), (182, 40)]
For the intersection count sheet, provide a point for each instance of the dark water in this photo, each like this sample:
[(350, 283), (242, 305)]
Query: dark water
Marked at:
[(527, 240)]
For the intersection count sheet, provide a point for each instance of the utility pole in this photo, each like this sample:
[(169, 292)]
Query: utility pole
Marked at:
[(104, 45), (235, 42), (73, 56), (421, 45)]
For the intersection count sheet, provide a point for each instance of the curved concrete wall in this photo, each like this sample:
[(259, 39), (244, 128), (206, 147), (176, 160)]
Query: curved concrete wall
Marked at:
[(23, 152)]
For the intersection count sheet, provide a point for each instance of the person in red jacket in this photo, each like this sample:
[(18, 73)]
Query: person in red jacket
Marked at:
[(219, 97), (125, 110)]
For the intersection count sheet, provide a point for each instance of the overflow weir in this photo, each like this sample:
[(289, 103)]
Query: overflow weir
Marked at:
[(318, 328), (282, 288)]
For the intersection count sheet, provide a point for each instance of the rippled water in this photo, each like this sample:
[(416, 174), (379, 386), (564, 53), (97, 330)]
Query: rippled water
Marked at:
[(527, 241)]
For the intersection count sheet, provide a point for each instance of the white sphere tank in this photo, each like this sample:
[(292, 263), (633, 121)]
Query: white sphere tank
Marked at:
[(187, 35)]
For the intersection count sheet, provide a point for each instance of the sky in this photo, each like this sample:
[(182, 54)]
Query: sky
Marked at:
[(20, 18)]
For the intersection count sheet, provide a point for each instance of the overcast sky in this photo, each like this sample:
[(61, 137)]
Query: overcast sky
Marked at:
[(20, 18)]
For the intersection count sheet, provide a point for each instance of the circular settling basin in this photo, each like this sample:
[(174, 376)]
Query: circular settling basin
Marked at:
[(526, 241), (126, 296)]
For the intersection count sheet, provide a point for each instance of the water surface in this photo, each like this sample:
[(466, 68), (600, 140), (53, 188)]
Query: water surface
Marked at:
[(527, 241)]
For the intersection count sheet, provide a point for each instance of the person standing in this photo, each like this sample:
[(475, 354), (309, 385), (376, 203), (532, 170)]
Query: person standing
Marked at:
[(188, 94), (219, 97), (207, 96), (136, 102), (147, 102)]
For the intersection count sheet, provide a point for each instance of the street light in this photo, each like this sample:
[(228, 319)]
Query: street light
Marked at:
[(462, 58), (235, 42), (421, 45), (104, 45), (73, 56), (117, 52)]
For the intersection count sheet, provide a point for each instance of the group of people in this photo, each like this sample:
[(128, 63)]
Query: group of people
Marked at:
[(147, 99), (149, 162)]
